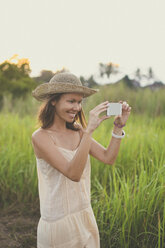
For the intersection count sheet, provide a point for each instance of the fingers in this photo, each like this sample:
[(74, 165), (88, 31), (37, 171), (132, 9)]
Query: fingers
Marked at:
[(129, 109), (100, 108), (103, 104), (125, 106)]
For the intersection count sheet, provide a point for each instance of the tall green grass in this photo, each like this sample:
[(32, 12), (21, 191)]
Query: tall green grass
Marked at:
[(127, 198), (17, 163)]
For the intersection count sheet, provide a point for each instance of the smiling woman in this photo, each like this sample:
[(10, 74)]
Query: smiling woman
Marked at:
[(46, 114), (62, 146)]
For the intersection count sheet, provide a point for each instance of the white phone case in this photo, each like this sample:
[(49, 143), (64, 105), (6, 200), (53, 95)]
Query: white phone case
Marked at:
[(114, 109)]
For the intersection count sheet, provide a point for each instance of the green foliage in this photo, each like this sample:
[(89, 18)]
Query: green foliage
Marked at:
[(127, 198), (22, 106), (13, 71), (108, 69), (45, 76), (15, 79), (143, 101)]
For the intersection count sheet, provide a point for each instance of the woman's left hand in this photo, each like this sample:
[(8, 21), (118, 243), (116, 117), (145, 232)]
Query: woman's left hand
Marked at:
[(126, 110)]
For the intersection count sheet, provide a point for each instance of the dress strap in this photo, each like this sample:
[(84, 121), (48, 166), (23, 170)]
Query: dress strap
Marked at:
[(52, 138)]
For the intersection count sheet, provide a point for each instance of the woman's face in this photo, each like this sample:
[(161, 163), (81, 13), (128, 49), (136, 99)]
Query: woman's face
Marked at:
[(68, 106)]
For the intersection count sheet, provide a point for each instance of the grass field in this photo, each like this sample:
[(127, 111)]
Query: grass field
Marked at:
[(128, 198)]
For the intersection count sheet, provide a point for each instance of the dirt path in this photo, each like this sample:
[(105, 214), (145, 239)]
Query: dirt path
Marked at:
[(18, 229)]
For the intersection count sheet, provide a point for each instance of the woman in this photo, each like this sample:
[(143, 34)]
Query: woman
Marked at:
[(62, 146)]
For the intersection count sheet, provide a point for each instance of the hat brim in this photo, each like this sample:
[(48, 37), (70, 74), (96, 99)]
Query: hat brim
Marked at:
[(43, 91)]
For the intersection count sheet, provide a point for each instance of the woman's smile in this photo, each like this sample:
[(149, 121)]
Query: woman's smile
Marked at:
[(72, 115)]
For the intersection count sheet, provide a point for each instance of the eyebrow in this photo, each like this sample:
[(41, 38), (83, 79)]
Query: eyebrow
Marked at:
[(75, 99)]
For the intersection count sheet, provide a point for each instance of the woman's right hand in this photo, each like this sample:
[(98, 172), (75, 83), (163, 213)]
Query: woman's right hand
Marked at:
[(94, 119)]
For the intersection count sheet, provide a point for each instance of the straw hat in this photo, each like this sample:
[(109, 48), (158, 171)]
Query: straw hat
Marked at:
[(64, 82)]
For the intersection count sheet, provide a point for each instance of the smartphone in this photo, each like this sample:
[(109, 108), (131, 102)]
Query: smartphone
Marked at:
[(114, 109)]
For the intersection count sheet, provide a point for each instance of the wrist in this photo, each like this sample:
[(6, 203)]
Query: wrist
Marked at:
[(117, 130), (119, 125), (119, 136)]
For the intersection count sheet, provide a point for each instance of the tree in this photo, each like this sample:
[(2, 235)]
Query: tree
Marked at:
[(62, 70), (90, 82), (148, 76), (14, 77), (150, 73), (108, 69), (138, 74), (46, 75)]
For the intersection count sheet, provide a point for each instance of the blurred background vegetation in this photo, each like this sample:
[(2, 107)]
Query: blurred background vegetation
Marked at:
[(16, 86), (128, 198)]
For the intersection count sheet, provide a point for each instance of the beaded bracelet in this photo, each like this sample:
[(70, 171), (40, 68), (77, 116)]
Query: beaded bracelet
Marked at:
[(119, 126)]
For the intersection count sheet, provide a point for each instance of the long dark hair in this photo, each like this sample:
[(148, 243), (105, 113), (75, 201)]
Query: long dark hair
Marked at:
[(47, 111)]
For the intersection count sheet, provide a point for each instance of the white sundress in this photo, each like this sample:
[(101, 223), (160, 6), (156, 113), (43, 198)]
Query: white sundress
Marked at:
[(67, 219)]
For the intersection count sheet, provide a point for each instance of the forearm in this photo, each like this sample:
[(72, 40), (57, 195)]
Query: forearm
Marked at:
[(77, 164), (114, 146)]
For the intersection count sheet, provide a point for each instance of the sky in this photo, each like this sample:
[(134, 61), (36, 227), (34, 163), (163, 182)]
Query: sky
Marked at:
[(80, 34)]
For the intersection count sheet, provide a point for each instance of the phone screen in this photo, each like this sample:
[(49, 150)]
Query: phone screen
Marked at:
[(114, 109)]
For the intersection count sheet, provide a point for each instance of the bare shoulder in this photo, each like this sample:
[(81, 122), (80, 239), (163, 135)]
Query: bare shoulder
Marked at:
[(45, 149), (38, 135)]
